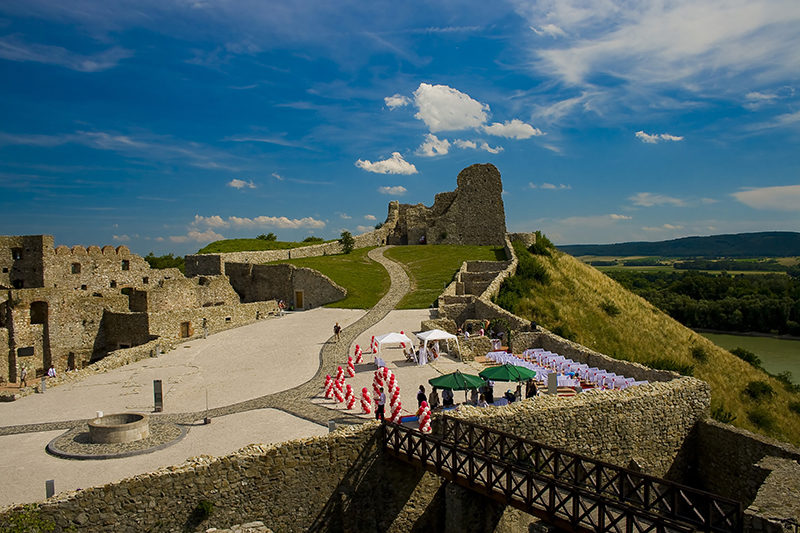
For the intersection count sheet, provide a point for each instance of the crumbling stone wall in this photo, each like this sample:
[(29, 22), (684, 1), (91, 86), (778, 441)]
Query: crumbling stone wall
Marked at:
[(472, 214), (22, 262), (281, 282)]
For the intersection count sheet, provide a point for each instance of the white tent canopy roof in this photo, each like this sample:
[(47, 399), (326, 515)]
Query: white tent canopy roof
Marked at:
[(392, 338), (435, 335)]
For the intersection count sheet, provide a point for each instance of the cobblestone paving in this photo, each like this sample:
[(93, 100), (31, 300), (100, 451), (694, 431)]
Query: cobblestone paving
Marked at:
[(296, 401)]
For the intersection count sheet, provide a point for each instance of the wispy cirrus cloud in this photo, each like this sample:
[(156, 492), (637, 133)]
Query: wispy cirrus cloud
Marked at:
[(13, 48), (393, 165), (649, 199), (781, 198), (656, 137), (549, 186), (241, 184)]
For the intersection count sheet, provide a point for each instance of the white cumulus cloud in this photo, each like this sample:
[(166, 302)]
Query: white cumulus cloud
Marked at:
[(197, 236), (217, 221), (397, 190), (783, 198), (615, 216), (443, 108), (513, 129), (460, 143), (364, 229), (396, 100), (370, 217), (121, 238), (433, 146), (394, 165), (656, 137), (241, 184), (492, 150)]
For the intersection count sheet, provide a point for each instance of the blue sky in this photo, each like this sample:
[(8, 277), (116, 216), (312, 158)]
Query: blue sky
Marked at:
[(166, 125)]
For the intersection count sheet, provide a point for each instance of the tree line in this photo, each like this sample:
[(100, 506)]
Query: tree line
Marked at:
[(768, 303)]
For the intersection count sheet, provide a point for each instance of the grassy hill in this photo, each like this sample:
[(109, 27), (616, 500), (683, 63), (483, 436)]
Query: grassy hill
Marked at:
[(249, 245), (430, 268), (579, 302), (763, 244)]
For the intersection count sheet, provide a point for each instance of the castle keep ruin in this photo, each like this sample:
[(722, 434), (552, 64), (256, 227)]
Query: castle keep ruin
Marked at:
[(68, 307)]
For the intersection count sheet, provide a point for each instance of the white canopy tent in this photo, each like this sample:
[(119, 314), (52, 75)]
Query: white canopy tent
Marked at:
[(436, 335), (393, 338)]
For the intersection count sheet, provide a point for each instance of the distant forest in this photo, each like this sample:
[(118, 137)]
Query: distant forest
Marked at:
[(764, 244), (764, 303)]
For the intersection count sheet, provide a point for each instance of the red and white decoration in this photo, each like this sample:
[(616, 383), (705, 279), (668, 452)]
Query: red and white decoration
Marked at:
[(350, 397), (351, 368), (425, 418), (328, 386), (339, 373), (358, 354), (366, 401)]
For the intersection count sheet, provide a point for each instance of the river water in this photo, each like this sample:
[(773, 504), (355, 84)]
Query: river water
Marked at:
[(777, 355)]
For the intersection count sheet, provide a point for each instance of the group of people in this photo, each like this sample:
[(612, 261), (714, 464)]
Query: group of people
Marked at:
[(23, 375)]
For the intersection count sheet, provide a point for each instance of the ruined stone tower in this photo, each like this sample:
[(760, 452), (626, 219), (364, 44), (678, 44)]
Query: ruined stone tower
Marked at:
[(471, 214)]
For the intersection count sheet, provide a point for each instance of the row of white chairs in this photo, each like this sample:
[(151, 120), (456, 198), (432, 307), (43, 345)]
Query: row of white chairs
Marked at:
[(544, 362)]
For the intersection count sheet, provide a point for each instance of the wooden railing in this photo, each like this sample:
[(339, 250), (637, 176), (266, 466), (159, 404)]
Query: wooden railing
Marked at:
[(570, 491)]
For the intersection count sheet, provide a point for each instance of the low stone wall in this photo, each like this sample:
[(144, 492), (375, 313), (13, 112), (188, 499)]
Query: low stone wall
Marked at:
[(494, 287), (213, 264), (541, 338), (647, 424)]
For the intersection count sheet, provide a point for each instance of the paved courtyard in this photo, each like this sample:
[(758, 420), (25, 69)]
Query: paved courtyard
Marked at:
[(264, 384)]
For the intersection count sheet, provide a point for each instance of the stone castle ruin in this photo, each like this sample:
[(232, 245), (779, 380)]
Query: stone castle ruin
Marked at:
[(70, 306)]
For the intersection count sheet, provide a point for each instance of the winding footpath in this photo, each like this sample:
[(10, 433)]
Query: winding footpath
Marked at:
[(295, 401)]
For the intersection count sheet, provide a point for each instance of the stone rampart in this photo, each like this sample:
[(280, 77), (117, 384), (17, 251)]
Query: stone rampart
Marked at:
[(343, 481), (646, 424), (283, 282)]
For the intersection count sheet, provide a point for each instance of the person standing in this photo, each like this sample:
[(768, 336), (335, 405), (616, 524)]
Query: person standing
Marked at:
[(421, 396), (336, 330), (381, 406), (23, 377)]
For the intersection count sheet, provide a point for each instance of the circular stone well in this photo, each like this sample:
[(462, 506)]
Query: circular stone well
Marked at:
[(120, 427)]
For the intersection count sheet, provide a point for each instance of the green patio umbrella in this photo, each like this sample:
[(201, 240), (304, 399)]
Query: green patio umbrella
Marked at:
[(457, 381), (507, 372)]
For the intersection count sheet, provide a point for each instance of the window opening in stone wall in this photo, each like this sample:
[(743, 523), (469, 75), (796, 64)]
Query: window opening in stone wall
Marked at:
[(145, 281), (113, 284), (186, 329), (38, 312), (17, 283), (227, 319), (27, 351), (16, 254), (5, 270), (83, 287), (122, 346), (71, 361), (126, 265), (76, 268)]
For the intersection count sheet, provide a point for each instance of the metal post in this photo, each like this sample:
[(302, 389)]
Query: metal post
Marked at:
[(158, 397), (50, 488), (331, 426), (43, 387)]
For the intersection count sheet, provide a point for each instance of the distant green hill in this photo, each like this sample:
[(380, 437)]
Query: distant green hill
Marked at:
[(763, 244)]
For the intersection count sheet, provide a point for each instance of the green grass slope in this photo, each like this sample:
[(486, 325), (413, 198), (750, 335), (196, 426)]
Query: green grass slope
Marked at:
[(365, 280), (431, 268), (249, 245), (577, 301)]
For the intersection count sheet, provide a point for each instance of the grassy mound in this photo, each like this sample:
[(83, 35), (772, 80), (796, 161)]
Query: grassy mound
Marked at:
[(431, 268), (578, 302), (249, 245), (365, 280)]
